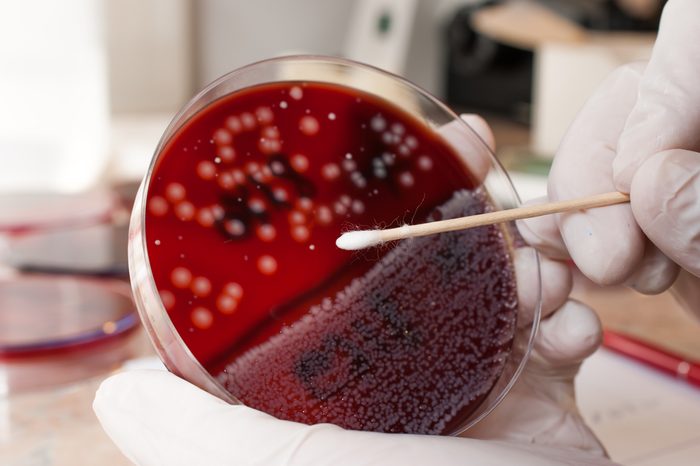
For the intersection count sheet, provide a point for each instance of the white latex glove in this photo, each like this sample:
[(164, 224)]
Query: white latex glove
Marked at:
[(639, 134), (158, 419), (155, 418)]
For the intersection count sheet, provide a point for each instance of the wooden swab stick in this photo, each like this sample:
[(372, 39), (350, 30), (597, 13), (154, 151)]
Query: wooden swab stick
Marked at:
[(361, 239)]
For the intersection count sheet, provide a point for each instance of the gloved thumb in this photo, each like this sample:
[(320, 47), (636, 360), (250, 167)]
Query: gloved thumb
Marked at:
[(156, 418), (665, 197)]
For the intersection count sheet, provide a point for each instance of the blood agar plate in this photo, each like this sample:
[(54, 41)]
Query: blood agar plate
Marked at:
[(243, 292)]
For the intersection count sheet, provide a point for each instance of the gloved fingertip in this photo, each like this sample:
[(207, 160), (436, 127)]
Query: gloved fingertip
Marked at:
[(606, 244), (481, 128), (583, 326), (111, 391), (570, 335), (470, 145), (117, 405), (655, 274), (555, 284)]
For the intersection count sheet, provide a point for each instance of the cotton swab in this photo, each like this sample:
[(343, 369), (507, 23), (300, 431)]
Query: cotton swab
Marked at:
[(361, 239)]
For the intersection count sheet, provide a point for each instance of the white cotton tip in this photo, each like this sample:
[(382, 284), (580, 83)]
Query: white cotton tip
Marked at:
[(361, 239)]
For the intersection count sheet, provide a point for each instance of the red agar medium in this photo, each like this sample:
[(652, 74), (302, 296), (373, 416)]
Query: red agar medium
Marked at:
[(242, 212)]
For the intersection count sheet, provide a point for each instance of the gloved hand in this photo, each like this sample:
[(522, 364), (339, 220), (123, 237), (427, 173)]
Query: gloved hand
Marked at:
[(639, 134), (156, 418)]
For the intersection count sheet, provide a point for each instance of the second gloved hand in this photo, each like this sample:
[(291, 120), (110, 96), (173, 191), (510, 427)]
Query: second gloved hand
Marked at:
[(640, 134)]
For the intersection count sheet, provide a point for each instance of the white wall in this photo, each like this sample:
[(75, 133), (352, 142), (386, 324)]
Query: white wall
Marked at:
[(149, 50), (427, 57), (53, 95), (162, 51), (232, 33)]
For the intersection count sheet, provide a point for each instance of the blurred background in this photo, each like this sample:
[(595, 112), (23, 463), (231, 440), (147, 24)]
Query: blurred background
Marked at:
[(93, 83), (88, 86)]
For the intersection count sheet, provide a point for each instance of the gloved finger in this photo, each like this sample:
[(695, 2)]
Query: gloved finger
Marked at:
[(605, 243), (568, 336), (472, 150), (481, 128), (667, 113), (543, 234), (665, 200), (541, 407), (655, 273), (556, 283), (156, 418)]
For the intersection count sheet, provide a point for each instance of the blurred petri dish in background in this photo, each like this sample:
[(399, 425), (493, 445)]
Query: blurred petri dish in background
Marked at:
[(58, 329), (81, 233)]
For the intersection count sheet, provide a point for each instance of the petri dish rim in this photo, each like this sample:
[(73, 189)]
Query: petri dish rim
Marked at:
[(94, 335), (71, 221)]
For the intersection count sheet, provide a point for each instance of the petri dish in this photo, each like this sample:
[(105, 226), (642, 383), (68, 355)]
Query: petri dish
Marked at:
[(23, 213), (240, 286), (70, 233), (51, 314), (56, 330)]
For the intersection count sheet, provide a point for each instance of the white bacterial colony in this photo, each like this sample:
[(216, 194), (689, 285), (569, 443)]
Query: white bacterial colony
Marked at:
[(411, 346)]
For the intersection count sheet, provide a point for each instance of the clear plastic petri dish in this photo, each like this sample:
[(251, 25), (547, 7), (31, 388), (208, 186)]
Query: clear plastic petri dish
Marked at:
[(240, 286), (56, 330), (69, 233), (43, 315), (25, 213)]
